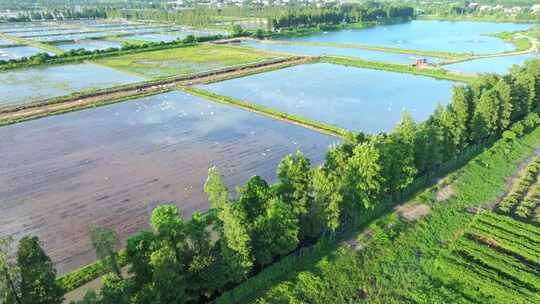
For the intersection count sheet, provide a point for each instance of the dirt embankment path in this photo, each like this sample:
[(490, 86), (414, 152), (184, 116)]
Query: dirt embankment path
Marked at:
[(43, 108)]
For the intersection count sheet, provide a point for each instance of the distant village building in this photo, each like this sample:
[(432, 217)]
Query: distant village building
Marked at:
[(535, 8)]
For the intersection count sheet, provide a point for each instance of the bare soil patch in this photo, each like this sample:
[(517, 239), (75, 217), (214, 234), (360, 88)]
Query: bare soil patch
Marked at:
[(410, 212)]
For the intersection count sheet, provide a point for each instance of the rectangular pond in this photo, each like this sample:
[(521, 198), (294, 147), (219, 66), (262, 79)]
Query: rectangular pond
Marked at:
[(154, 37), (312, 50), (89, 44), (112, 165), (446, 36), (356, 99), (24, 86), (17, 52), (498, 65), (70, 37)]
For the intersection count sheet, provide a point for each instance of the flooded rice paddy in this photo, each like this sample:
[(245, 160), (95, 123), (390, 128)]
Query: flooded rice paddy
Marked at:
[(18, 52), (351, 98), (111, 165), (446, 36), (154, 37), (89, 45), (311, 50), (498, 65), (24, 86)]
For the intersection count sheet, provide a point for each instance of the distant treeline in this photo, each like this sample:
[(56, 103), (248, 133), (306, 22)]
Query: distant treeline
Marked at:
[(59, 14), (181, 261), (279, 17), (511, 11), (350, 13)]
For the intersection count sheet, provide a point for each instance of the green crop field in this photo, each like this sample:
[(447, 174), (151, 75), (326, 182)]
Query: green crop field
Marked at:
[(186, 60)]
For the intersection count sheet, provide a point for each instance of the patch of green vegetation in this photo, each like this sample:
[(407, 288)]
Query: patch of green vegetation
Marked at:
[(393, 260), (88, 273), (187, 60), (433, 72), (519, 39), (495, 260)]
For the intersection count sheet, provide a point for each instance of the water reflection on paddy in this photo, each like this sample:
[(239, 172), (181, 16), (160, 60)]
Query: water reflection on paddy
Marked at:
[(498, 65), (352, 98), (112, 165), (24, 86)]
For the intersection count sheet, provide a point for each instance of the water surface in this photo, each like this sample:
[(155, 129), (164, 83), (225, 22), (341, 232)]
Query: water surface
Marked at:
[(90, 45), (338, 51), (112, 165), (497, 65), (23, 86), (447, 36), (17, 52), (351, 98)]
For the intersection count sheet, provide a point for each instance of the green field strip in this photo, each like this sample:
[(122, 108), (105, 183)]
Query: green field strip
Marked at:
[(502, 220), (444, 55), (501, 237), (508, 266), (498, 232), (436, 73), (522, 235), (510, 247), (476, 282)]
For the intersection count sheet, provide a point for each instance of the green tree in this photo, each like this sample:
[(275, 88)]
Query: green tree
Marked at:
[(275, 233), (429, 143), (38, 276), (504, 99), (169, 285), (486, 115), (168, 225), (253, 197), (115, 290), (138, 250), (9, 274), (461, 108), (234, 239), (327, 200), (364, 173), (397, 153), (105, 242), (201, 261), (524, 93), (294, 173)]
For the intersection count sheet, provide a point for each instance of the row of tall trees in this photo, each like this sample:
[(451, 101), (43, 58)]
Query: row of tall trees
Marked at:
[(349, 13), (193, 261)]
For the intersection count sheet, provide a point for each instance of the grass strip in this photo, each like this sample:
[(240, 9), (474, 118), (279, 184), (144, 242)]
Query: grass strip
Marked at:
[(88, 273), (436, 73), (252, 107), (444, 55)]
